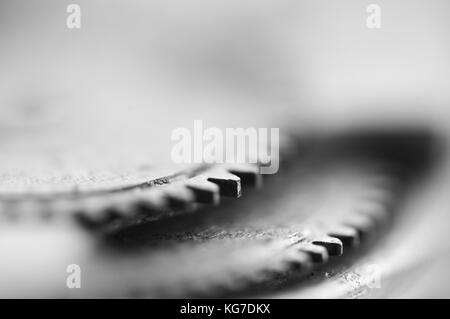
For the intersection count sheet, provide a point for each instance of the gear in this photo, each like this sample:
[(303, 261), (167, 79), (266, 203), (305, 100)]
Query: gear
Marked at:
[(145, 240)]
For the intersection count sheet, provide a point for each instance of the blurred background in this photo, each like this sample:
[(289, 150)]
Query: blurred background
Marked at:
[(138, 67)]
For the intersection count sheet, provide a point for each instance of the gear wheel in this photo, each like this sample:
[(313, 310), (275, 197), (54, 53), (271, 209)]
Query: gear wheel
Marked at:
[(145, 240)]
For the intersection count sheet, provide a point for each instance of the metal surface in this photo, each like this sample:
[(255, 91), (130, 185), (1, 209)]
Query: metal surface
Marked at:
[(172, 240)]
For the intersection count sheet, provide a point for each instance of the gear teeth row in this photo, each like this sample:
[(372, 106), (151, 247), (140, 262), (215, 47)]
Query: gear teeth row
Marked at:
[(206, 192), (317, 253), (316, 246), (179, 197), (101, 209), (265, 261), (303, 250), (349, 236), (368, 218), (205, 188), (270, 258), (248, 173), (229, 184), (215, 183), (333, 245)]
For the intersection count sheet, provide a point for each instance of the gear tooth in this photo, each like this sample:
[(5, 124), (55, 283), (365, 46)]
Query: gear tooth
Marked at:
[(179, 196), (229, 184), (110, 207), (86, 222), (91, 212), (101, 210), (87, 219), (318, 254), (333, 245), (248, 173), (376, 211), (298, 260), (206, 192), (150, 200), (348, 235), (120, 207), (364, 224)]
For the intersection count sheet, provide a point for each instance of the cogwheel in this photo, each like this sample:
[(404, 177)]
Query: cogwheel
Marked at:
[(243, 245), (320, 205), (146, 200)]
